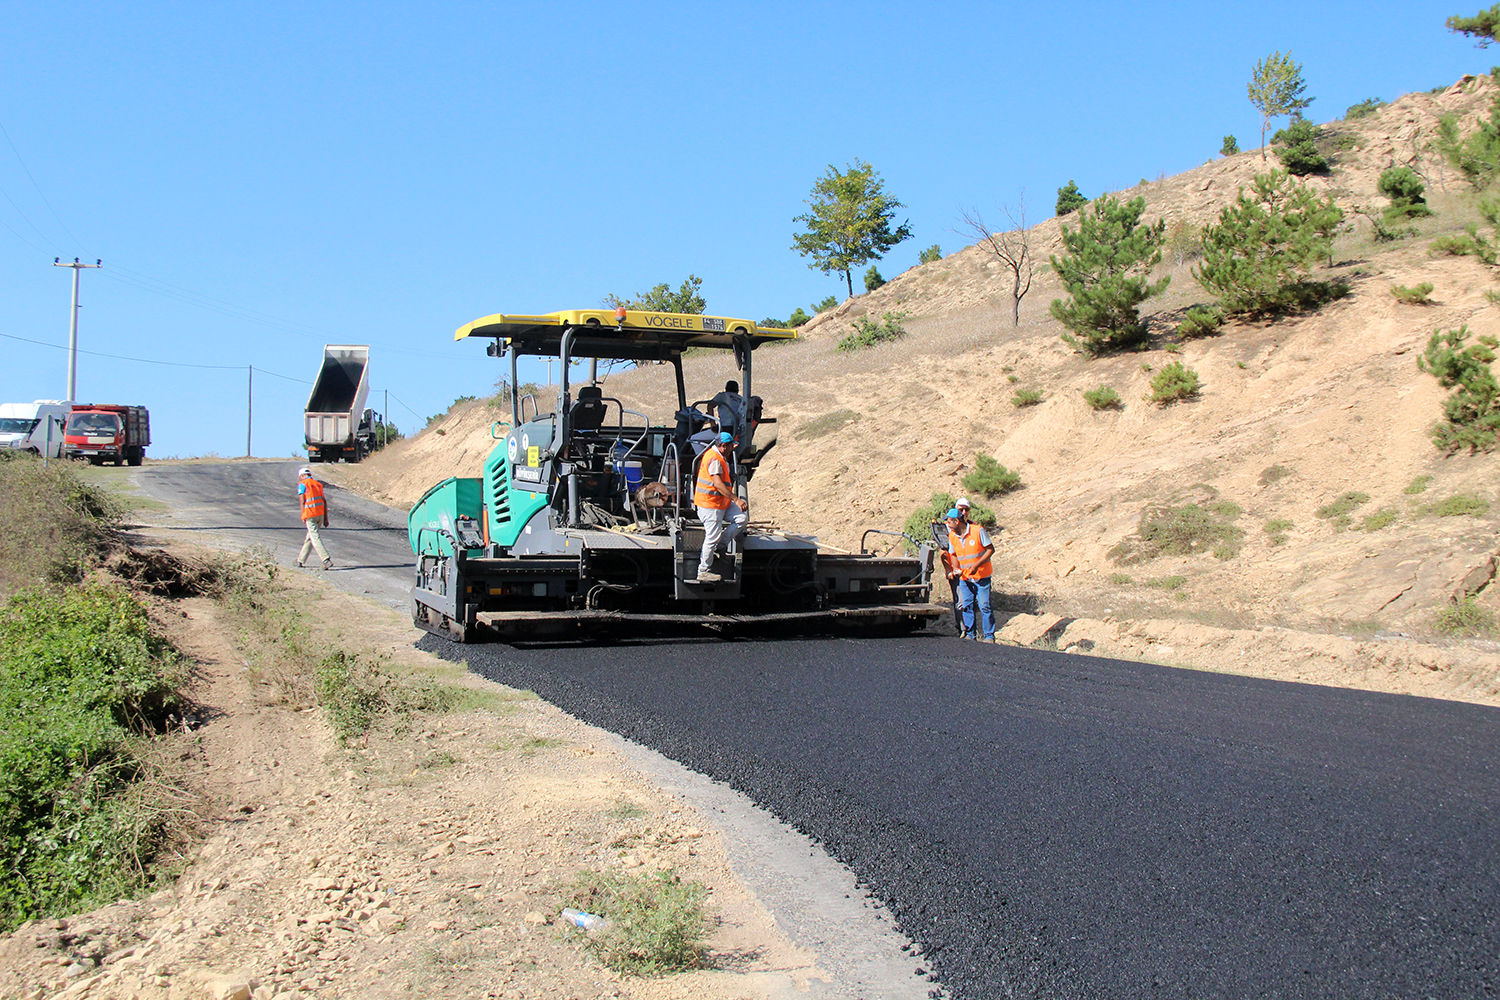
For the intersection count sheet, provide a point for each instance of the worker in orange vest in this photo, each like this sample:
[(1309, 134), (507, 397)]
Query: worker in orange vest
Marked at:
[(314, 509), (970, 551), (723, 514)]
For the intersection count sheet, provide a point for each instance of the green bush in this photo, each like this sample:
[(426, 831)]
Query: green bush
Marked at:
[(868, 333), (1230, 147), (653, 924), (1477, 155), (1382, 518), (1337, 512), (1174, 382), (1471, 415), (931, 255), (827, 304), (919, 522), (1364, 109), (1026, 397), (1417, 296), (1417, 485), (990, 479), (1166, 582), (1119, 579), (1461, 505), (1464, 618), (1105, 274), (1297, 146), (797, 318), (1069, 199), (1405, 188), (771, 323), (1277, 527), (83, 674), (1102, 398), (1472, 242), (1259, 256), (873, 280), (1181, 531), (1199, 322)]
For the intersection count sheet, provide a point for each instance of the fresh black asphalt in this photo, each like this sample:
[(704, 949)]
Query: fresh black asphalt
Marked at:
[(1050, 825), (1044, 825)]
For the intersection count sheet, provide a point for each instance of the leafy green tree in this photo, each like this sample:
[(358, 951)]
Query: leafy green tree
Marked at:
[(661, 298), (1484, 26), (931, 255), (797, 318), (1259, 256), (1471, 416), (825, 305), (1105, 273), (1364, 109), (1230, 147), (849, 224), (771, 323), (1275, 89), (873, 280), (1069, 199), (1297, 147)]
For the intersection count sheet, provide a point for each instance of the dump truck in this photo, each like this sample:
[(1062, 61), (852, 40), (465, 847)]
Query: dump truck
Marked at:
[(107, 432), (337, 424), (582, 518)]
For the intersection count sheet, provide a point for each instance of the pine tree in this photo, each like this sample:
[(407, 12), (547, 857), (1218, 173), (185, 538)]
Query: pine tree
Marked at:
[(1258, 257), (1105, 272)]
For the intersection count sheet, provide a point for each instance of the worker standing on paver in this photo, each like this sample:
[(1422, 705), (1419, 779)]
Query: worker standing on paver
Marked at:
[(714, 498), (972, 552), (314, 509)]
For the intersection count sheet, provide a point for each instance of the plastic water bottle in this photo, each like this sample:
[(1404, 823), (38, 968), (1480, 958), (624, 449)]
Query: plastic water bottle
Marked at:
[(580, 919)]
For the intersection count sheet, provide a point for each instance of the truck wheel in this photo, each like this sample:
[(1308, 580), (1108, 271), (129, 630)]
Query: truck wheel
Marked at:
[(136, 457), (95, 460)]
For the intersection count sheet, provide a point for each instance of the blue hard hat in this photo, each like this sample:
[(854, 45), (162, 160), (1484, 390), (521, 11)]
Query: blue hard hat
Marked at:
[(952, 512), (725, 437)]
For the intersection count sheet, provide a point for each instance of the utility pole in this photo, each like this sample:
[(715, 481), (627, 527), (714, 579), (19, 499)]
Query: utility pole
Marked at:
[(249, 407), (73, 328), (385, 418)]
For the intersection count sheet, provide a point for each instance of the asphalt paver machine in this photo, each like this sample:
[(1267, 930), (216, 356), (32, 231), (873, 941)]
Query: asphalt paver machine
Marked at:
[(583, 518)]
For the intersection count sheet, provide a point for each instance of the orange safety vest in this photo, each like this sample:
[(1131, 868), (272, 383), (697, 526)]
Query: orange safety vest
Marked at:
[(967, 551), (704, 494), (313, 504)]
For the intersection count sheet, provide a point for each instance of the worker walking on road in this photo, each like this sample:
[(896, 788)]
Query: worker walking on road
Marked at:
[(314, 509), (717, 505), (972, 550)]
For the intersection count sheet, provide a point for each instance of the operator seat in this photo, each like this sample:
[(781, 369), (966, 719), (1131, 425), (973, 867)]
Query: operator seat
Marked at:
[(588, 410)]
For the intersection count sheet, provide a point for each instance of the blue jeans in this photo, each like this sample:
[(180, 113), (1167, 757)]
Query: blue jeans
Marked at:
[(971, 592)]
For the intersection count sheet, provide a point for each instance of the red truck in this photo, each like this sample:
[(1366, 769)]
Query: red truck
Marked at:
[(103, 432)]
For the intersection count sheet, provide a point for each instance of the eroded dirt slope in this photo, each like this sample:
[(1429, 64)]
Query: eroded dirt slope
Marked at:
[(1291, 417)]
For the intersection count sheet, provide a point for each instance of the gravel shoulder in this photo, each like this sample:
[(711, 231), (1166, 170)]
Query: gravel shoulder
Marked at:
[(429, 863)]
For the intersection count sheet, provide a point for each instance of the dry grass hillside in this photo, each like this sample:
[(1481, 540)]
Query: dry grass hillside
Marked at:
[(1292, 416)]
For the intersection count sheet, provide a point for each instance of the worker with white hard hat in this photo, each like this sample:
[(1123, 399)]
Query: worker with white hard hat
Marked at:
[(314, 509)]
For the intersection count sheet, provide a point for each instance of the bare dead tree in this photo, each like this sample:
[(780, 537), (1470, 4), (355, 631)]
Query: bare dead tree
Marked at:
[(1011, 248)]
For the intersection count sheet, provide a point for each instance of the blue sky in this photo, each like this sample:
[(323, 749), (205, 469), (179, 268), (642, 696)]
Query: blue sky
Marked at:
[(264, 178)]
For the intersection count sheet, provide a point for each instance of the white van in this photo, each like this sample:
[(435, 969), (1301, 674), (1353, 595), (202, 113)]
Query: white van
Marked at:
[(35, 427)]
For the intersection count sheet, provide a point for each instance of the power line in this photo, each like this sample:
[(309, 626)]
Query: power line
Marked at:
[(40, 194), (153, 361)]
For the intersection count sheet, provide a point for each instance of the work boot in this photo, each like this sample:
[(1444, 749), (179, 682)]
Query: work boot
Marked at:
[(708, 578), (328, 564), (299, 563)]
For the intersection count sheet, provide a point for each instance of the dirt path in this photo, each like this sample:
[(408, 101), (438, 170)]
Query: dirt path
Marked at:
[(422, 864)]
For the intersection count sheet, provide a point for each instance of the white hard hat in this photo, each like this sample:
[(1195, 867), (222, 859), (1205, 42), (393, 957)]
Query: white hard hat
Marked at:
[(962, 502), (304, 471)]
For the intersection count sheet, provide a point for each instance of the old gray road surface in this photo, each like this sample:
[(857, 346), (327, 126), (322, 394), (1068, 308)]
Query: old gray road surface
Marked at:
[(1047, 825)]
